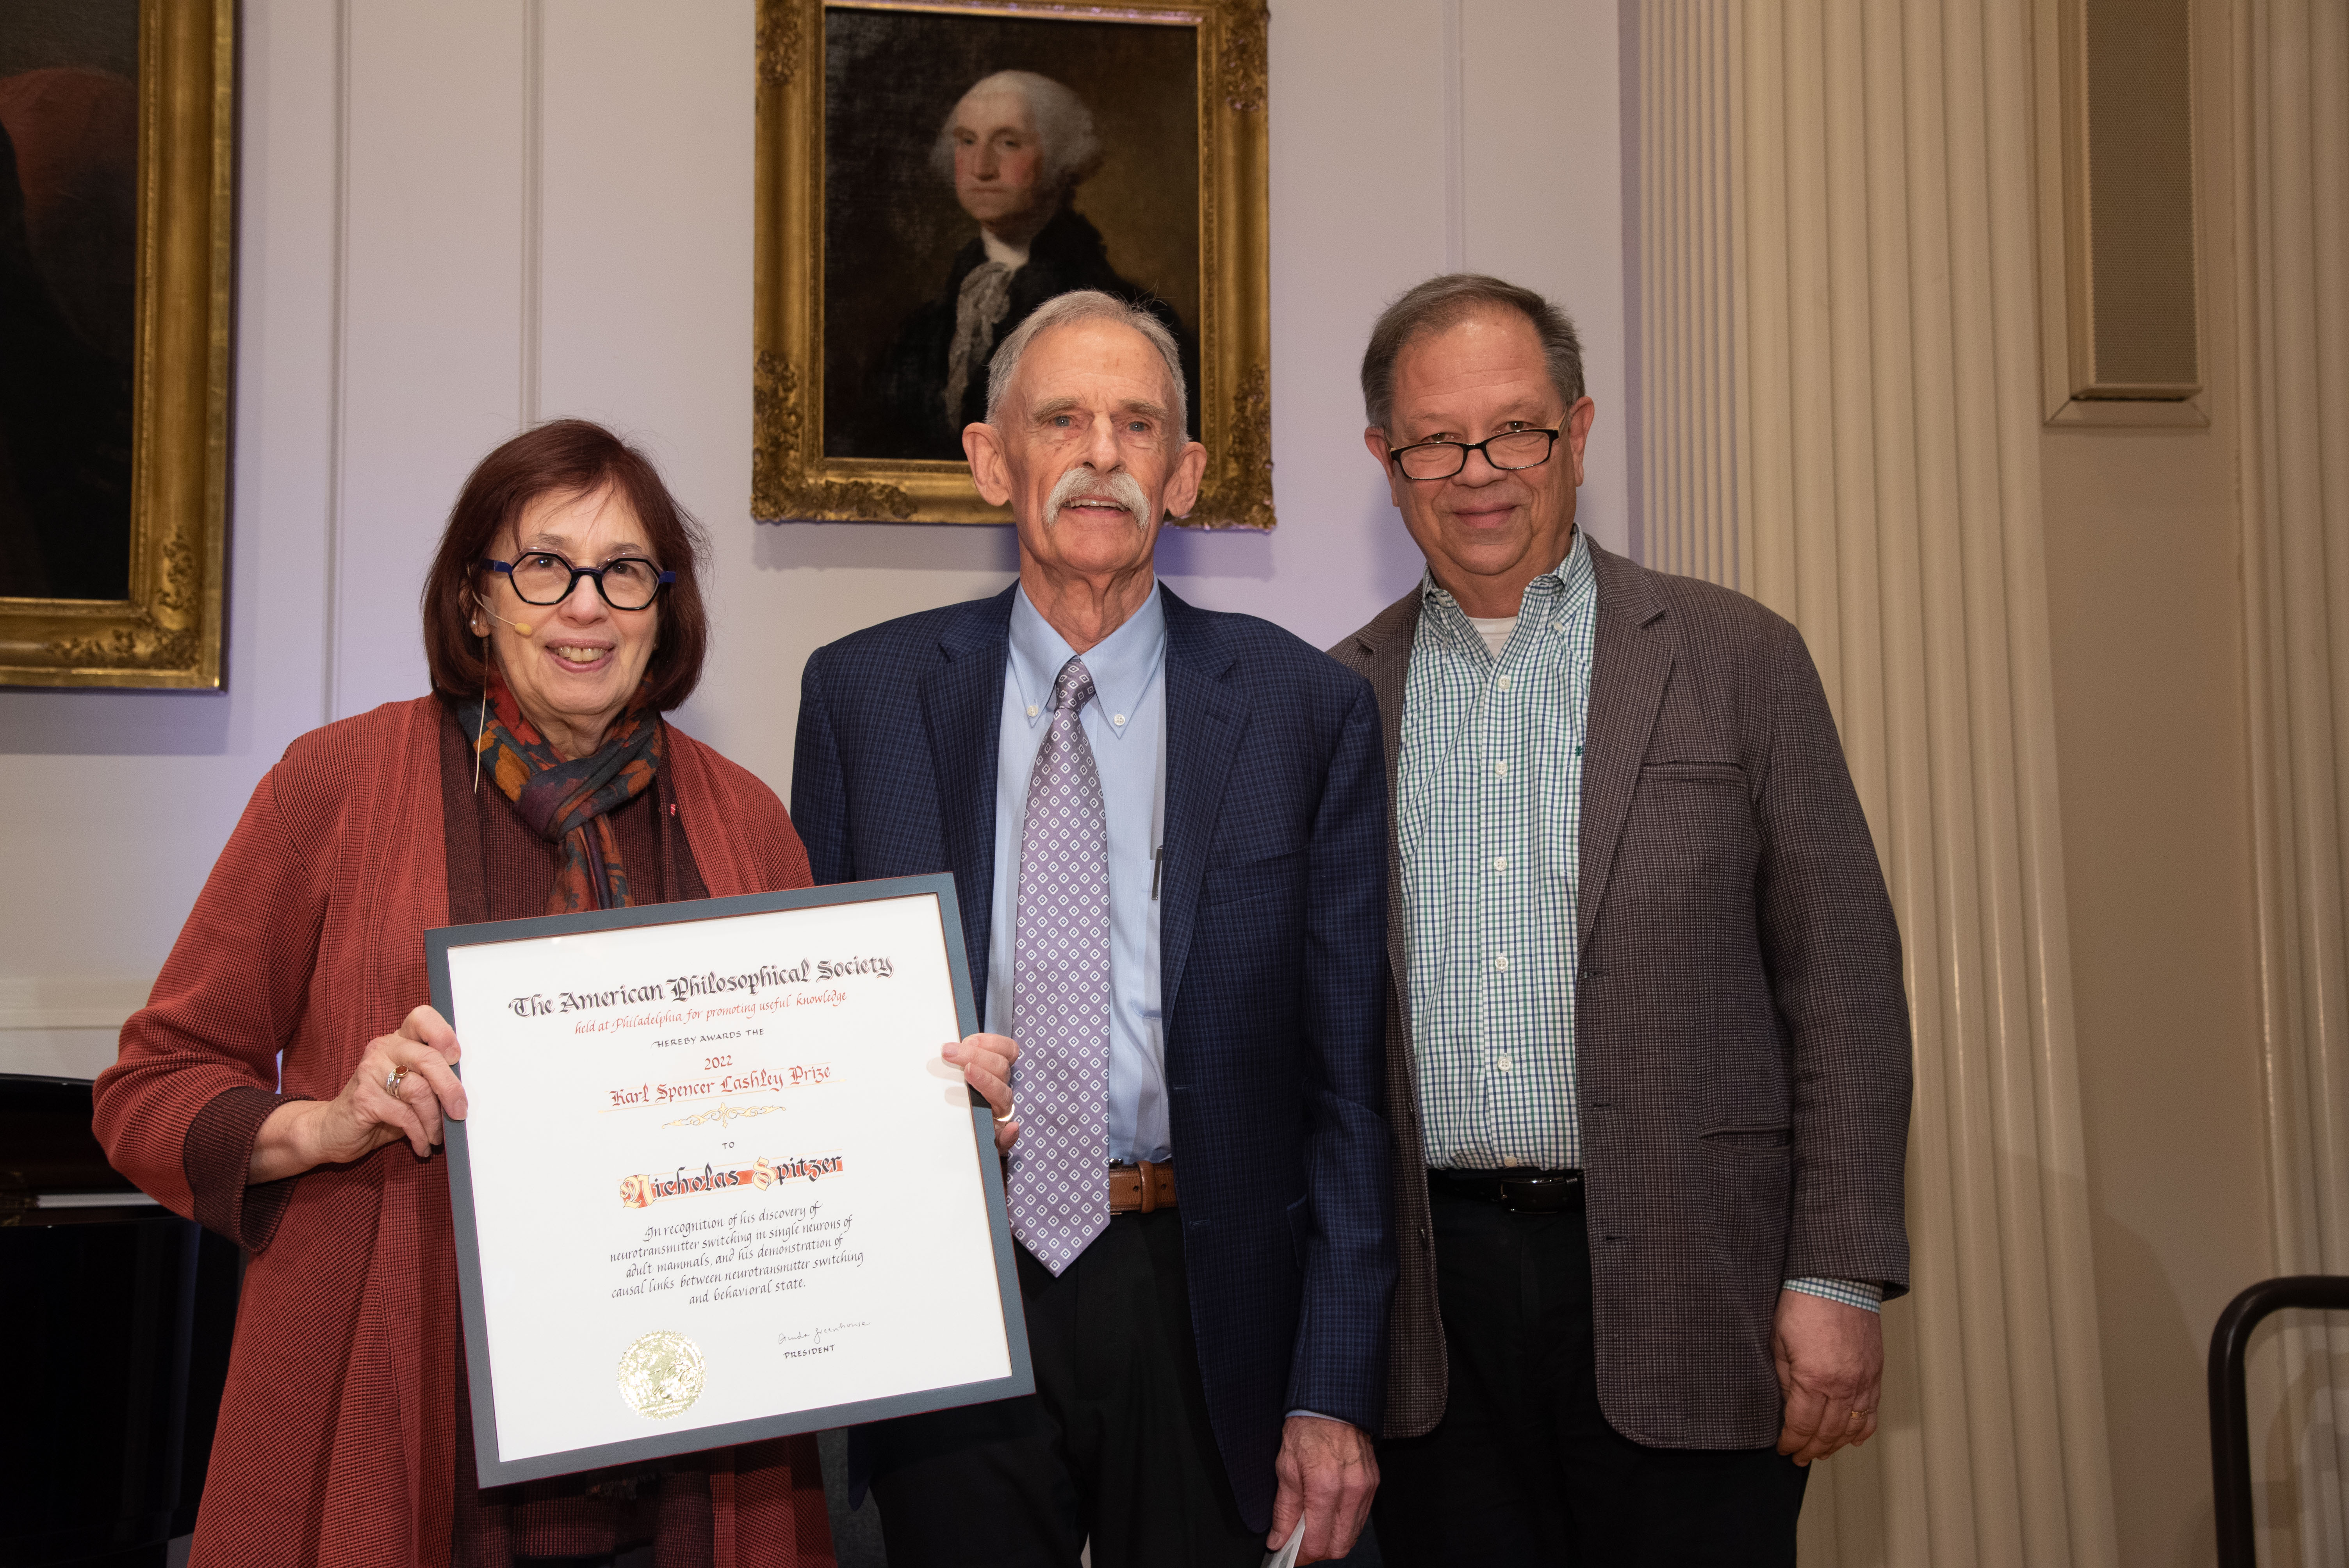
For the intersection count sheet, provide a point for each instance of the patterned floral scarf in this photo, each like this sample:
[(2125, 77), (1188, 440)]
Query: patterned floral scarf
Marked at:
[(567, 802)]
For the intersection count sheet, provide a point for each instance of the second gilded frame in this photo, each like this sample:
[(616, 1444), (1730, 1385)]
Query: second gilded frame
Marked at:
[(119, 123), (929, 171)]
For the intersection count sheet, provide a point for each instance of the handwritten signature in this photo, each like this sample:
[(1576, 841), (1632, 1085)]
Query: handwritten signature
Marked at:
[(818, 1333)]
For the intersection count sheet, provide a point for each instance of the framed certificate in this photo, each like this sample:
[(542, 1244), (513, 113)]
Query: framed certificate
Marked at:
[(716, 1183)]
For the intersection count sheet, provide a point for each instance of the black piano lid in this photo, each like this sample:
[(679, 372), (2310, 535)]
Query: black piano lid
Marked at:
[(47, 1147)]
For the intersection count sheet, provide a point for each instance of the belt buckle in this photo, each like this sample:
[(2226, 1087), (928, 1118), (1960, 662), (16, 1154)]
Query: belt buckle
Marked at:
[(1530, 1190)]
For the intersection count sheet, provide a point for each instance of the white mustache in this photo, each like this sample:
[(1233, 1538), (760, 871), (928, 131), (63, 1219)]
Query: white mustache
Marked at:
[(1084, 484)]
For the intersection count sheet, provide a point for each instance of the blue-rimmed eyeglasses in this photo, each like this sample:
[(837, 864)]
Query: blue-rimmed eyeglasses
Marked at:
[(1441, 459), (542, 577)]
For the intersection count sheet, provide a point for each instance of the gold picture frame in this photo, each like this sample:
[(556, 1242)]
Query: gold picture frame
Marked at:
[(793, 476), (168, 632)]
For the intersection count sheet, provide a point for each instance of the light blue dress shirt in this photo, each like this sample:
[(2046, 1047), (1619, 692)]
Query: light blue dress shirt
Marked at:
[(1125, 726)]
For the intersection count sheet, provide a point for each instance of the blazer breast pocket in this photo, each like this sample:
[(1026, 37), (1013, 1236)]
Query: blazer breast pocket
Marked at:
[(1693, 773), (1692, 827)]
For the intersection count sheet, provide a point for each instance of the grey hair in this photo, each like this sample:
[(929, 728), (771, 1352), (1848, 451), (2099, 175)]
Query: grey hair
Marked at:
[(1444, 302), (1081, 305), (1063, 124)]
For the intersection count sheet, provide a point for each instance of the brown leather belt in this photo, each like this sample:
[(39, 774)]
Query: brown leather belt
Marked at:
[(1140, 1189)]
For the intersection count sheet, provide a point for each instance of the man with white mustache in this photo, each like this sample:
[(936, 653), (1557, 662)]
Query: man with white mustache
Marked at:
[(1165, 829), (1084, 487)]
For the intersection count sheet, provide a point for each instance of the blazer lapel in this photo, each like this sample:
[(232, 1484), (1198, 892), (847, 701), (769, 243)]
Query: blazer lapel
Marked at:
[(1205, 717), (1629, 668), (1386, 645), (962, 703)]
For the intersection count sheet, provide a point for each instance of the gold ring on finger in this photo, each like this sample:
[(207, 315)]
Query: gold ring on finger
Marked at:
[(391, 1080)]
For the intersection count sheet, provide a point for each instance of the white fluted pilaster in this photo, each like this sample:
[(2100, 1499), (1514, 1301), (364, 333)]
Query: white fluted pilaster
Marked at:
[(2291, 240), (1842, 407), (1688, 425)]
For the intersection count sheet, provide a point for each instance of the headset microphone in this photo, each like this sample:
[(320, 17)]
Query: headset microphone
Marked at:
[(481, 725), (523, 627)]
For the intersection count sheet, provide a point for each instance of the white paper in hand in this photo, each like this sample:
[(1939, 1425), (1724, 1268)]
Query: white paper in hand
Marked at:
[(1287, 1556)]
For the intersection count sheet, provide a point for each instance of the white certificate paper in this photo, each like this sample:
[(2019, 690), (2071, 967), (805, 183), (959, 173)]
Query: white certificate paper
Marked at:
[(715, 1183)]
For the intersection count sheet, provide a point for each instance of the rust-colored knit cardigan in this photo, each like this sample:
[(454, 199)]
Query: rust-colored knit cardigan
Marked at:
[(337, 1437)]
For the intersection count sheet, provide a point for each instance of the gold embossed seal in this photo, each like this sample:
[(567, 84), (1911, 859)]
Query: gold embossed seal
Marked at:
[(661, 1375)]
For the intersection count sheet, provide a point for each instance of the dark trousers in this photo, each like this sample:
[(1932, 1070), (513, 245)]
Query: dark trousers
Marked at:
[(1524, 1468), (1114, 1444)]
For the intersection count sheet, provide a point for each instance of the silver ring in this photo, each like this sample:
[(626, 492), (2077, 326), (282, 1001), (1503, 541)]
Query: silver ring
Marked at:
[(391, 1079), (1005, 1121)]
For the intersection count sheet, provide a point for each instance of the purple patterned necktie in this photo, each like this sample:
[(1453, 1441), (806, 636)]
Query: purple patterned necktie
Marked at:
[(1059, 1192)]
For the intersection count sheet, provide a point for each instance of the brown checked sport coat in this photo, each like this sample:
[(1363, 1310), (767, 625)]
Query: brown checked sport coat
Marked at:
[(1740, 1033)]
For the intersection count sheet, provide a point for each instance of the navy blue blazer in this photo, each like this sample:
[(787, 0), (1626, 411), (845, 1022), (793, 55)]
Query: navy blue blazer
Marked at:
[(1272, 957)]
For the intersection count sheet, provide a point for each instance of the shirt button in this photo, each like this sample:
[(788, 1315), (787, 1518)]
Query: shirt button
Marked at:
[(1117, 718), (1031, 710), (1500, 960), (1505, 683), (1500, 862), (1501, 768), (1501, 1063)]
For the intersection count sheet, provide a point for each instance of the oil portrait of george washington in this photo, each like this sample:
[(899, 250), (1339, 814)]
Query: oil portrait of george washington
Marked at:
[(975, 166)]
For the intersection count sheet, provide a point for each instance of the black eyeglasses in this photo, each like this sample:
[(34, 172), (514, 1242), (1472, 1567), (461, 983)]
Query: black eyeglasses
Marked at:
[(1441, 459), (542, 577)]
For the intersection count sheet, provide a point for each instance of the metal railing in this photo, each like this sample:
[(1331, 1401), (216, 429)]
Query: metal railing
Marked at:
[(2231, 1425)]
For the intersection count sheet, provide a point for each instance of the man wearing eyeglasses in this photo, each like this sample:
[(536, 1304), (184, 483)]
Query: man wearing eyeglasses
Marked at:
[(1647, 1043)]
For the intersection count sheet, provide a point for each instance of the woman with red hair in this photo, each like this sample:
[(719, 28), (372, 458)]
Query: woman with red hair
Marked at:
[(286, 1084)]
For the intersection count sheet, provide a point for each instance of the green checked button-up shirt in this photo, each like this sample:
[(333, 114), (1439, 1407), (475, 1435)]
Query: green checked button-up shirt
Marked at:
[(1489, 797), (1488, 794)]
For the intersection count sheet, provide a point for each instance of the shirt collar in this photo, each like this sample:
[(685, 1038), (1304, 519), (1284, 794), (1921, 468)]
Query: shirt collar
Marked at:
[(1012, 256), (1123, 663), (1562, 583)]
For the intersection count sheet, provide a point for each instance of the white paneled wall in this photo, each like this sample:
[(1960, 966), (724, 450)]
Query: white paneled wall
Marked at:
[(1542, 177), (459, 215), (431, 309)]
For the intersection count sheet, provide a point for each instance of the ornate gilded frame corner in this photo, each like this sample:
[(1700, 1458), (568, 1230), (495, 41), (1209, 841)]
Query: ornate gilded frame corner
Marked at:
[(169, 630), (791, 478)]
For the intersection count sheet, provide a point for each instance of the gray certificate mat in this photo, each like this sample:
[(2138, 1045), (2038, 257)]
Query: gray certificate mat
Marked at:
[(715, 1182)]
